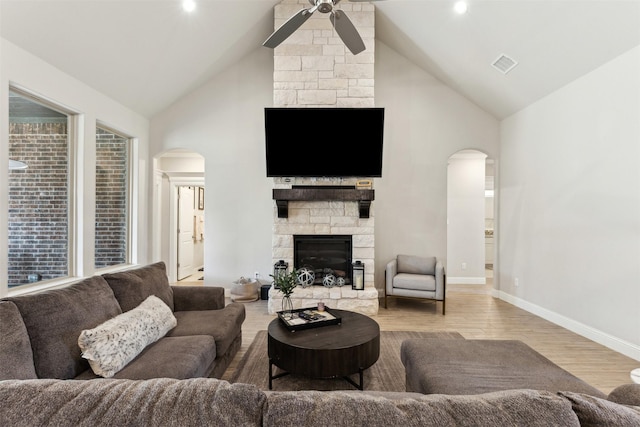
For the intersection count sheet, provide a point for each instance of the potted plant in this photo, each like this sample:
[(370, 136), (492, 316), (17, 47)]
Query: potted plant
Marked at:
[(286, 283)]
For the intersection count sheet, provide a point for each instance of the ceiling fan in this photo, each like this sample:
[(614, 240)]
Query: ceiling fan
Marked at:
[(345, 29)]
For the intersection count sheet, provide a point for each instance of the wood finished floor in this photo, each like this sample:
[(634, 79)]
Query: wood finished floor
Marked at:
[(473, 313)]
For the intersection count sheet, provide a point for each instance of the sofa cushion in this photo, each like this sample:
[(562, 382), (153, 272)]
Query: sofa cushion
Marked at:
[(416, 265), (223, 325), (480, 366), (505, 408), (55, 318), (125, 403), (418, 282), (593, 411), (131, 287), (16, 357), (169, 357), (111, 345)]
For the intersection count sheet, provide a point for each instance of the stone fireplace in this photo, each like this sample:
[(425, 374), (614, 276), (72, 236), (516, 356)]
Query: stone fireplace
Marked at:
[(313, 68)]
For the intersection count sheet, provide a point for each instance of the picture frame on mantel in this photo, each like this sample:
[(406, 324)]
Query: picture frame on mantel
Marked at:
[(201, 198)]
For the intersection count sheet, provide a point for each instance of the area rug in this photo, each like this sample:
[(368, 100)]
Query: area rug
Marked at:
[(387, 374)]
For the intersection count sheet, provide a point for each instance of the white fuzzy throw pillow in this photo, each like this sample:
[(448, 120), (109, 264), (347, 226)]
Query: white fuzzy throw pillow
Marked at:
[(110, 346)]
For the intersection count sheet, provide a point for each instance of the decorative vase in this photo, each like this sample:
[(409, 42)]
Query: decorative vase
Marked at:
[(287, 306)]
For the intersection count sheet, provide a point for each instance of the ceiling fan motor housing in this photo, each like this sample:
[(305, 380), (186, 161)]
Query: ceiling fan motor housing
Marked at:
[(325, 6)]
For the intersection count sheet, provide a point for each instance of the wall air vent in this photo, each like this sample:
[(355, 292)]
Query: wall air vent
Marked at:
[(504, 64)]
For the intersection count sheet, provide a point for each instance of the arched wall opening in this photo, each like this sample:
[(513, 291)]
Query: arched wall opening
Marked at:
[(471, 218), (178, 213)]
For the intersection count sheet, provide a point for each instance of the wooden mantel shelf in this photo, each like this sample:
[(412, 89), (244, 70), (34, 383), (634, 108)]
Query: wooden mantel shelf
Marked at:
[(282, 196)]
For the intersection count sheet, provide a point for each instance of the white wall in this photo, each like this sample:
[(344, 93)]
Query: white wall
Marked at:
[(20, 68), (570, 205), (224, 122), (426, 122)]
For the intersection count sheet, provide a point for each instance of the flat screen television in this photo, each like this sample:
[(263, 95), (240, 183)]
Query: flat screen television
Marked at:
[(324, 142)]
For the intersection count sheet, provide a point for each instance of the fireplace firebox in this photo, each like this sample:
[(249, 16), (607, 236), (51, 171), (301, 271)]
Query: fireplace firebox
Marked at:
[(324, 255)]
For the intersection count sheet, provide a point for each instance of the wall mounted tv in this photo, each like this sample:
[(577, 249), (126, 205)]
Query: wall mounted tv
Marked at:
[(324, 142)]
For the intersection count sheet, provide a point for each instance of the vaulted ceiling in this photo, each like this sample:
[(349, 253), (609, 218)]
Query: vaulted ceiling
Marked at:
[(146, 54)]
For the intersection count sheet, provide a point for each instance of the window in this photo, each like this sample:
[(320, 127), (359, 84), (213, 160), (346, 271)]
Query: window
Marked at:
[(112, 198), (39, 195)]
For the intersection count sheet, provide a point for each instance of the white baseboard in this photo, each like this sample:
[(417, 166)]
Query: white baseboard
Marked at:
[(467, 280), (621, 346)]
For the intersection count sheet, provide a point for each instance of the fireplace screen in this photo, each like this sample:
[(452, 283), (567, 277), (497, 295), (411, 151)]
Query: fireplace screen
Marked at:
[(325, 255)]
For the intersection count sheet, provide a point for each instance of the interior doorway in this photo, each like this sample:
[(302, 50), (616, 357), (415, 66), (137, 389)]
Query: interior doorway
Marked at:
[(470, 218), (179, 214)]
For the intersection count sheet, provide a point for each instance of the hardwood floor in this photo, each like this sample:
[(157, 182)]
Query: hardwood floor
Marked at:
[(472, 312)]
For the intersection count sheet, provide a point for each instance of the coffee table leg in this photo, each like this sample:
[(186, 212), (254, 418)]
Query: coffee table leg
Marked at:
[(270, 374), (353, 383)]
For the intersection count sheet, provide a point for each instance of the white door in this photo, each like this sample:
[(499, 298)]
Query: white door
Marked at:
[(185, 231)]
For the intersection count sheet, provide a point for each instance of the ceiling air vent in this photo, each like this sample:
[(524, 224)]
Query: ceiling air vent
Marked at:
[(504, 64)]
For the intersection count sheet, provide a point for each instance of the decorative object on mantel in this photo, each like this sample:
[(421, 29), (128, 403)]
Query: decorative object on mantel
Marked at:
[(280, 268), (340, 282), (306, 276), (329, 281), (357, 282), (342, 24), (286, 283)]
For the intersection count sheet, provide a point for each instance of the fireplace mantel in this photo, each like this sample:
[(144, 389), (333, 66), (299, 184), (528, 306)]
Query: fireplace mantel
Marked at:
[(282, 196)]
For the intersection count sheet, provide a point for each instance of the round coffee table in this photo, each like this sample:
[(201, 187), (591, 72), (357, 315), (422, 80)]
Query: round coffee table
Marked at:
[(325, 351)]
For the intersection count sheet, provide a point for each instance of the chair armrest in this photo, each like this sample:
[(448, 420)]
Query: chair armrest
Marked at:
[(389, 272), (189, 298), (440, 281)]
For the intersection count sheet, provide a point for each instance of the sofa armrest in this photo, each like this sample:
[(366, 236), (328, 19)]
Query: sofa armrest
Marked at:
[(626, 394), (389, 272), (189, 298)]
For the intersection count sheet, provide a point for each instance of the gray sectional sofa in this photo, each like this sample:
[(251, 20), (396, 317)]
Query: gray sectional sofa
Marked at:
[(40, 331), (212, 402), (43, 373)]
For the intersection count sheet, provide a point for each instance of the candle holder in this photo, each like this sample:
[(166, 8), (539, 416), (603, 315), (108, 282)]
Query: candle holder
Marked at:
[(357, 276)]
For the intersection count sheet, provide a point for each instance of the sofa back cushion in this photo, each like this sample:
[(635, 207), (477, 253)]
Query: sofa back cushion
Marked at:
[(412, 264), (503, 408), (54, 320), (108, 402), (131, 287), (16, 358)]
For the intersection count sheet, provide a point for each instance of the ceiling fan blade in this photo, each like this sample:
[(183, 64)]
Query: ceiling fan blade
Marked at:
[(288, 27), (347, 32)]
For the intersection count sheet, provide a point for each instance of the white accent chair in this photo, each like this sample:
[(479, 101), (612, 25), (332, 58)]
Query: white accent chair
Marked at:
[(413, 276)]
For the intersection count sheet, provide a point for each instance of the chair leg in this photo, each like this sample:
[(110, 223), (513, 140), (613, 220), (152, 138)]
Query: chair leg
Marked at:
[(443, 306)]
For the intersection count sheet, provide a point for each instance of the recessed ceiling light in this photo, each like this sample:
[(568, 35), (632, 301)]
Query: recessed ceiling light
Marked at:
[(461, 7), (189, 5)]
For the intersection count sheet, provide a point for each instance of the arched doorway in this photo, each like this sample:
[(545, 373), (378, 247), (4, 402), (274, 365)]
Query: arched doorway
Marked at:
[(470, 218), (178, 213)]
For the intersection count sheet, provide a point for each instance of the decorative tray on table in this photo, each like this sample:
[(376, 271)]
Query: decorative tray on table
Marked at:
[(306, 318)]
